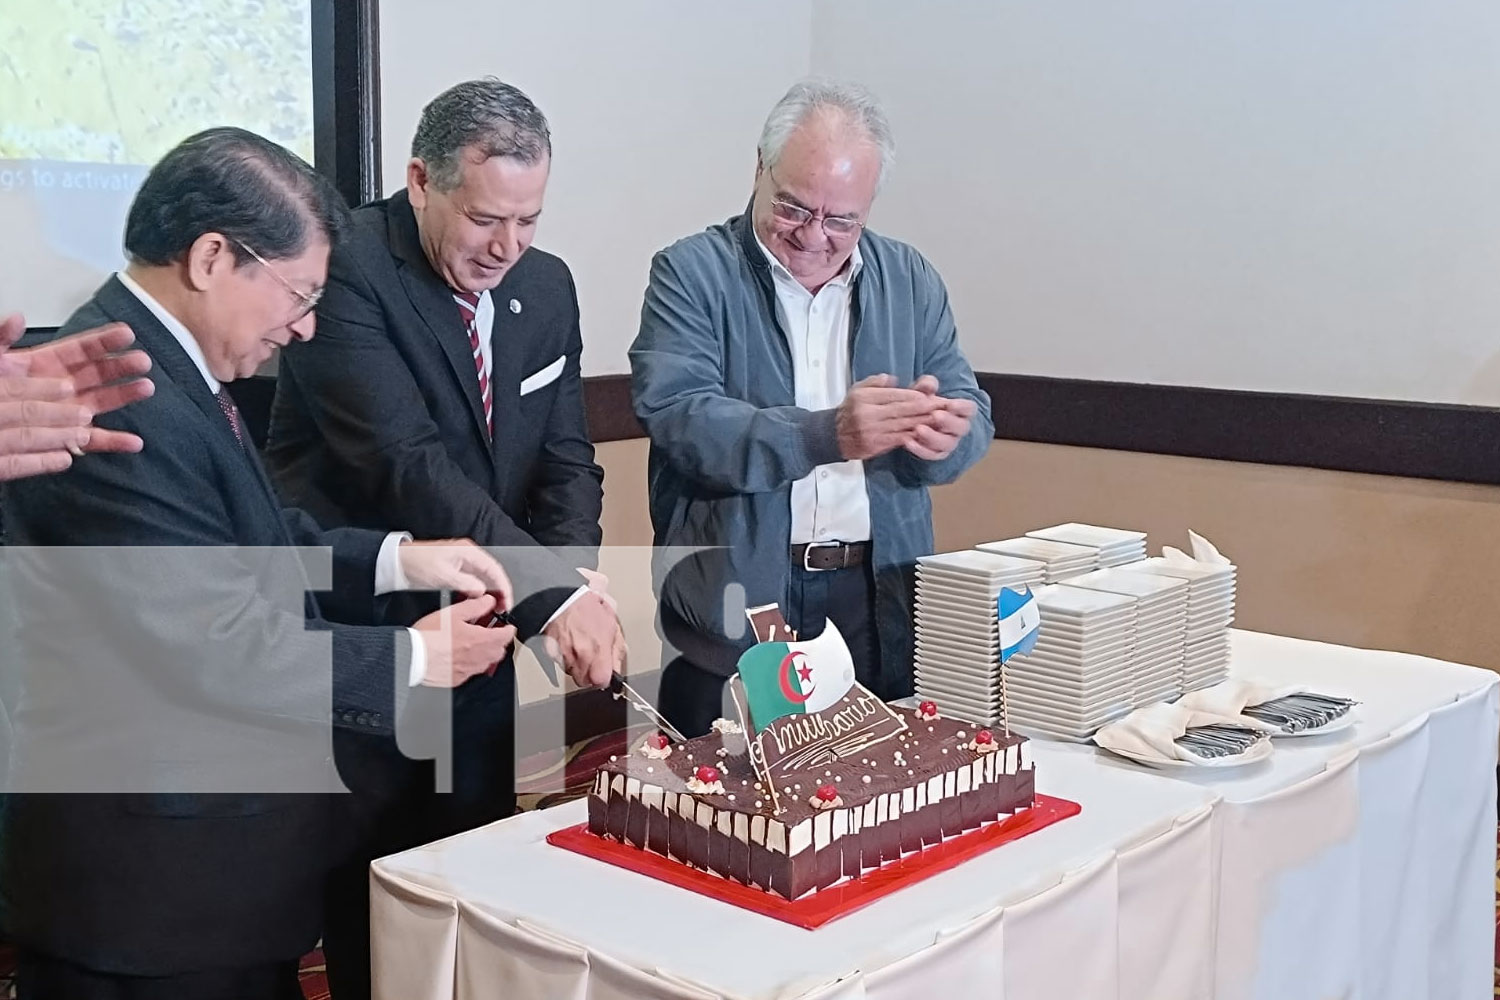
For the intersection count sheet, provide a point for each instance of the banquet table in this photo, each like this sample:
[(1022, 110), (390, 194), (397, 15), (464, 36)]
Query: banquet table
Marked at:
[(1356, 864)]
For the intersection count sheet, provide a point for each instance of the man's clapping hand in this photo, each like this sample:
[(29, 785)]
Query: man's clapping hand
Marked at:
[(50, 394), (946, 426), (877, 417)]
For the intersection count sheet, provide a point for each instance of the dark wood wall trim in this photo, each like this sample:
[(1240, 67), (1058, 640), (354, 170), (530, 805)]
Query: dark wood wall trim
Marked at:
[(606, 400), (1383, 437)]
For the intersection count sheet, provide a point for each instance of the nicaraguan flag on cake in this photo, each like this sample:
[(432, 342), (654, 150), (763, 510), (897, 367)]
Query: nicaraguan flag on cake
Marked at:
[(1020, 621)]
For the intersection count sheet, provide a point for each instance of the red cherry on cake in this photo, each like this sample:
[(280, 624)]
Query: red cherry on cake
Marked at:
[(707, 775), (827, 793), (984, 736), (657, 741), (928, 708)]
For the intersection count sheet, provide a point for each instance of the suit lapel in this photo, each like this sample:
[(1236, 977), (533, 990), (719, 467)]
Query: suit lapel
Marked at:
[(173, 362), (433, 301), (508, 358)]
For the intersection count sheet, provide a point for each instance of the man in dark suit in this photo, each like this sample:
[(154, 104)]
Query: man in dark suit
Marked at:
[(176, 704), (443, 395)]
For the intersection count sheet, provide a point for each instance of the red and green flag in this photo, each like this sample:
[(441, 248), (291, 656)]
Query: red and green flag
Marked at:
[(791, 678)]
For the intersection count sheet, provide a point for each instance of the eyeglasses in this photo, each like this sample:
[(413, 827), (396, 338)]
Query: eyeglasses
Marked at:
[(309, 300), (834, 226)]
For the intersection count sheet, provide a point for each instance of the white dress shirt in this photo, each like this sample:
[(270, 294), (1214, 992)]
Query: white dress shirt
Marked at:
[(830, 504), (389, 576), (484, 327)]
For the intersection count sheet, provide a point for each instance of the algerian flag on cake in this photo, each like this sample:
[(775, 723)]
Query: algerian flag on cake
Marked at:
[(791, 678)]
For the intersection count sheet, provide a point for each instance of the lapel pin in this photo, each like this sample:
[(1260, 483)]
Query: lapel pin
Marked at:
[(515, 305)]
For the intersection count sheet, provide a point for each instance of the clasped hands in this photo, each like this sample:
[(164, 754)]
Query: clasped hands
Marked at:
[(586, 637), (877, 416)]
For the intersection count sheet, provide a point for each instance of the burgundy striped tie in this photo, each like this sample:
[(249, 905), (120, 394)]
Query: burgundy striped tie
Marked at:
[(468, 308)]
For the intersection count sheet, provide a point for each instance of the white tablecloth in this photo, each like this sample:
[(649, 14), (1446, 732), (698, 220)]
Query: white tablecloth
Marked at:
[(1353, 865)]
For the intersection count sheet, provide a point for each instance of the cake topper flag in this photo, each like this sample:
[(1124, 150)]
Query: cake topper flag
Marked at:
[(1020, 622), (790, 678), (805, 708)]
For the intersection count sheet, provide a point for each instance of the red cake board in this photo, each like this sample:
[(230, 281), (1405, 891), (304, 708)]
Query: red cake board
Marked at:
[(818, 908)]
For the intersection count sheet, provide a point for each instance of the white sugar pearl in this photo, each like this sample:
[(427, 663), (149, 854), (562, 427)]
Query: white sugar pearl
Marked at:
[(731, 796), (787, 790), (797, 787), (930, 729), (910, 771), (838, 777), (945, 749), (867, 779), (650, 770), (962, 734), (613, 758), (690, 756), (757, 803), (828, 774)]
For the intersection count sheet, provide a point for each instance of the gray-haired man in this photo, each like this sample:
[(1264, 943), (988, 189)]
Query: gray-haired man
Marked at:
[(443, 394), (801, 382)]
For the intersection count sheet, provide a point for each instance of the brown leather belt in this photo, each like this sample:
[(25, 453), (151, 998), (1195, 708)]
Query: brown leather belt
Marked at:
[(818, 556)]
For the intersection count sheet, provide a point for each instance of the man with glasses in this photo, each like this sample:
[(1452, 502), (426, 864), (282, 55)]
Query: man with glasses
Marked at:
[(181, 670), (800, 379)]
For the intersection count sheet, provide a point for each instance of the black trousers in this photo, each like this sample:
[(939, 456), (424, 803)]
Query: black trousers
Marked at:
[(693, 695), (392, 806), (40, 977)]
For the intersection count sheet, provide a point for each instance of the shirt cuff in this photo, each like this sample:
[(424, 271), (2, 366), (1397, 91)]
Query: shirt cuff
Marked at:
[(418, 672), (565, 605), (389, 576)]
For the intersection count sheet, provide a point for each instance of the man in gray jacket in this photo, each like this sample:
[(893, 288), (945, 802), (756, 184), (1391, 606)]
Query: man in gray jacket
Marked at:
[(800, 380)]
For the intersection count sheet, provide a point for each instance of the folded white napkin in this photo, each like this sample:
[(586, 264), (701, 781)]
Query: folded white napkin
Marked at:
[(1152, 731), (1204, 553), (1228, 699)]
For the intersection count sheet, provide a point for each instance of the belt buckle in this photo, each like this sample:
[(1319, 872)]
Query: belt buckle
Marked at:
[(808, 551)]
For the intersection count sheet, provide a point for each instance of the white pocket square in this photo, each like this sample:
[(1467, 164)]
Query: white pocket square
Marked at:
[(544, 377)]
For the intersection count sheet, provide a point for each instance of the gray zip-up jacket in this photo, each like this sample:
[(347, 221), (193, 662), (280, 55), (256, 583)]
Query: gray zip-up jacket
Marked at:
[(712, 384)]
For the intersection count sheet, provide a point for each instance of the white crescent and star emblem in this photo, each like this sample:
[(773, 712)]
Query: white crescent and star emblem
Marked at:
[(795, 660)]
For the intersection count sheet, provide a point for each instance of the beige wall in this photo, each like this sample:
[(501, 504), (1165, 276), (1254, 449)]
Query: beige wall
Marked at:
[(1360, 560)]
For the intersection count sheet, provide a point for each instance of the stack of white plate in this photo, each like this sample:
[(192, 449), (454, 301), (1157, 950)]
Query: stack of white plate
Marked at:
[(957, 628), (1116, 546), (1210, 613), (1160, 628), (1078, 677), (1061, 559)]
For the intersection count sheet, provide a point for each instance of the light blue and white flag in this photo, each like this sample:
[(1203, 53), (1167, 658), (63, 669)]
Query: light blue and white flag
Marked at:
[(1020, 621)]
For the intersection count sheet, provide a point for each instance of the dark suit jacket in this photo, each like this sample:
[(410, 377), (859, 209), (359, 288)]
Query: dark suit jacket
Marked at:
[(167, 669), (378, 420)]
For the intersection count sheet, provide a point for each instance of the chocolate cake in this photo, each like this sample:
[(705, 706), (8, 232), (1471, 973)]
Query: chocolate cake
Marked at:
[(701, 803)]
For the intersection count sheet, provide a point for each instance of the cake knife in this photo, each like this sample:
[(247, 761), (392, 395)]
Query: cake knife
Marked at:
[(621, 689), (617, 685)]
